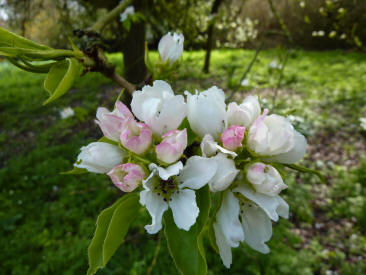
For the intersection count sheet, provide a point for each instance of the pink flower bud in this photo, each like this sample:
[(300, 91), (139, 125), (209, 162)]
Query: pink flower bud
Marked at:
[(233, 137), (172, 147), (111, 122), (136, 136), (127, 177)]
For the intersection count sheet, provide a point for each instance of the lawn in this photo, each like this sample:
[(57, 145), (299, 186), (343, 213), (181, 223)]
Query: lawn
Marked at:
[(47, 219)]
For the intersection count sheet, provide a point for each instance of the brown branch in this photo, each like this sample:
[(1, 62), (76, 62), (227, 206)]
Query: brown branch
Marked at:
[(123, 82), (98, 62)]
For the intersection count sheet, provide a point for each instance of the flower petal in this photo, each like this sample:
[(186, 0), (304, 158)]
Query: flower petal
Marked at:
[(224, 248), (296, 153), (166, 173), (156, 207), (283, 208), (268, 203), (207, 112), (257, 228), (197, 172), (184, 208), (225, 173), (228, 219), (171, 116), (146, 101), (99, 157)]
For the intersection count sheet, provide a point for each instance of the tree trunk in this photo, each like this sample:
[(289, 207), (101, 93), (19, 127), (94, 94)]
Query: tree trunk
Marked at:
[(209, 42), (133, 49)]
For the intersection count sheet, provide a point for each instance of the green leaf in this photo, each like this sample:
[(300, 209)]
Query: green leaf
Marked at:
[(107, 140), (212, 237), (122, 217), (9, 39), (217, 201), (60, 78), (112, 226), (186, 247), (306, 170), (75, 171), (190, 134)]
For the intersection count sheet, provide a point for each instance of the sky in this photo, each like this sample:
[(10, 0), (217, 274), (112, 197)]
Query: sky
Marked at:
[(3, 14)]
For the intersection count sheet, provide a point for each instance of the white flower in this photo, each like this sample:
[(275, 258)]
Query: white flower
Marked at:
[(273, 206), (244, 82), (256, 212), (274, 65), (225, 173), (245, 113), (265, 179), (274, 135), (172, 187), (130, 10), (67, 112), (158, 107), (271, 135), (99, 157), (171, 47), (207, 112)]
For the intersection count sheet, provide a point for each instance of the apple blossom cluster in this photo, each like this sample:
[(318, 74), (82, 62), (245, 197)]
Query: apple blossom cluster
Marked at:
[(168, 146)]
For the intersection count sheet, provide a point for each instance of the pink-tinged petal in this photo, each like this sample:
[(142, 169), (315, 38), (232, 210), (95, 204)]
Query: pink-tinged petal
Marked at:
[(172, 147), (127, 177), (258, 122), (136, 136), (111, 126), (233, 137), (123, 110), (111, 123)]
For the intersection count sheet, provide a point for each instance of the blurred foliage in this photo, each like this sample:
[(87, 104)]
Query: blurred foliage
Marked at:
[(324, 24), (47, 219), (316, 24)]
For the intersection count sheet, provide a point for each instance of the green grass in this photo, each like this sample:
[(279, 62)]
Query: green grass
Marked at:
[(47, 219)]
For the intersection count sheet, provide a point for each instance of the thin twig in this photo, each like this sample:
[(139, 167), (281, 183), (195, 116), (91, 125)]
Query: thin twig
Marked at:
[(248, 69), (122, 82), (110, 16), (283, 65), (280, 21), (156, 254)]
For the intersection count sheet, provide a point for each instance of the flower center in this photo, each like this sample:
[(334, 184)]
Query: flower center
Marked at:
[(120, 174), (244, 202), (165, 188)]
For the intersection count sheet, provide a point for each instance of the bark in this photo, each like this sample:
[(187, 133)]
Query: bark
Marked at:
[(210, 32), (133, 50)]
